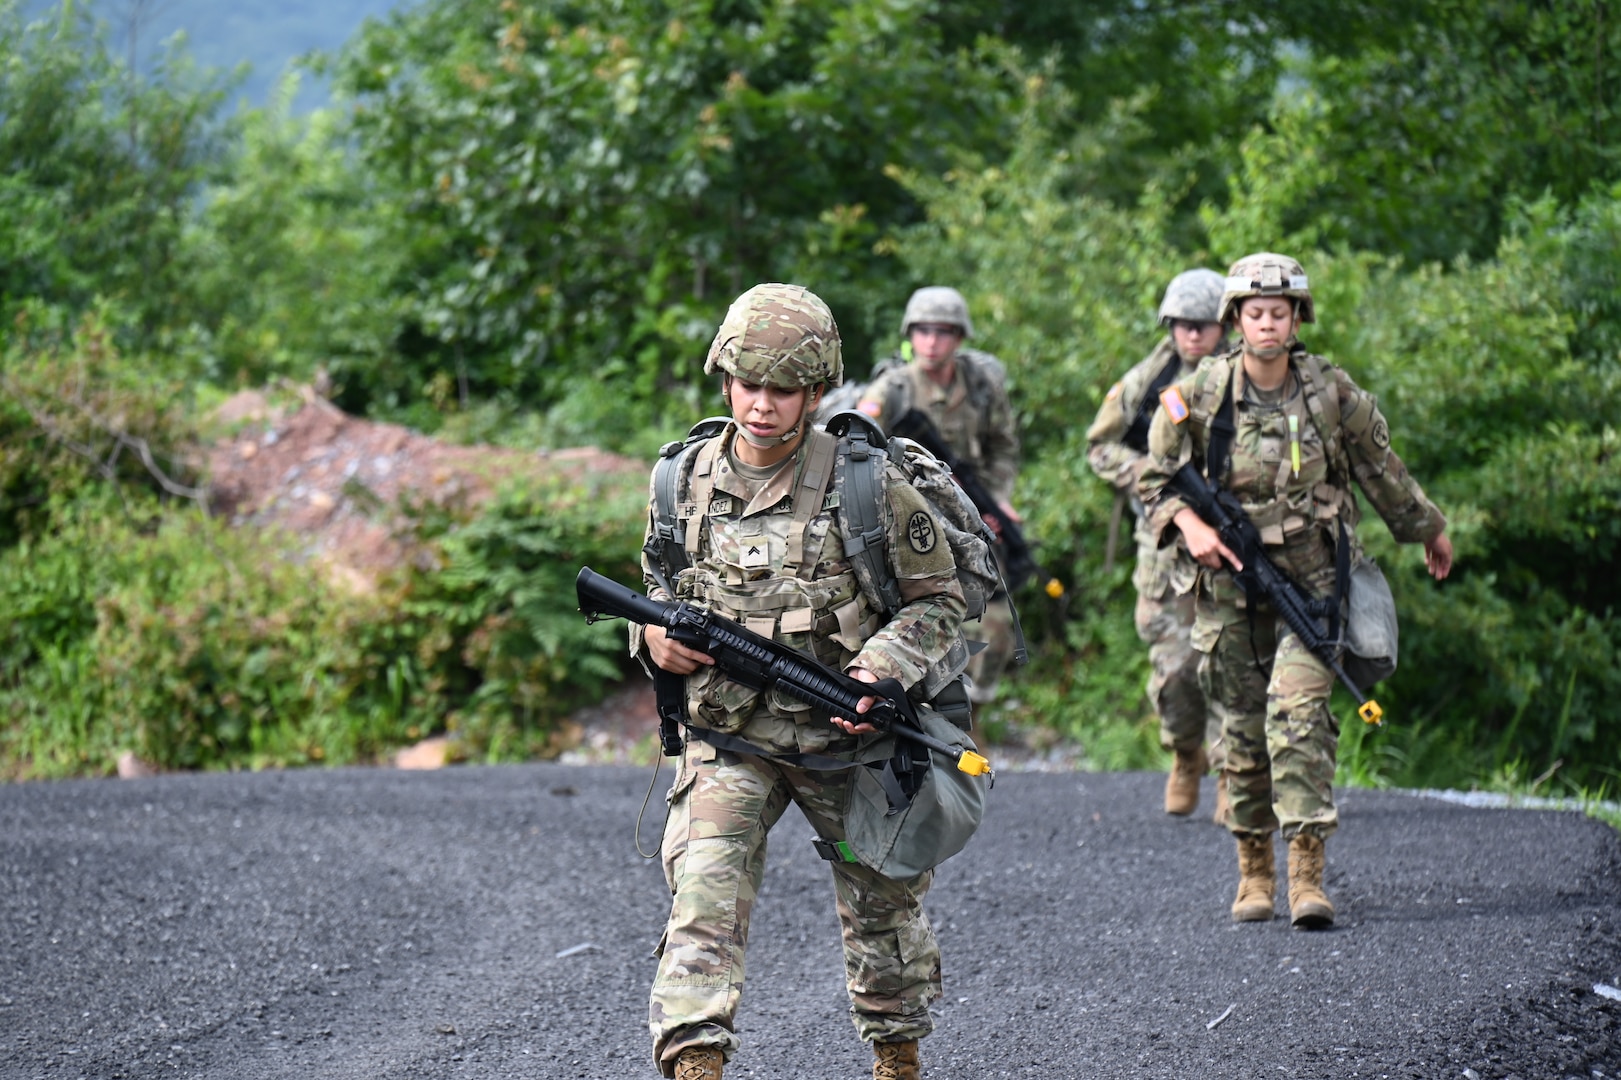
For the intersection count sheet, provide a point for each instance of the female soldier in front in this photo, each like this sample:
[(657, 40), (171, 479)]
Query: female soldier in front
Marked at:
[(1302, 431)]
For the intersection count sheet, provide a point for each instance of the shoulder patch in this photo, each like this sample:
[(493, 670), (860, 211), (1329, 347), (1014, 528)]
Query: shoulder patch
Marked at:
[(1380, 434), (1170, 399), (921, 533), (872, 408), (1114, 392)]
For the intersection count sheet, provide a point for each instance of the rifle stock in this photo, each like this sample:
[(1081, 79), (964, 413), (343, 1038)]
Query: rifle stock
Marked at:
[(1021, 561), (760, 664), (1260, 578)]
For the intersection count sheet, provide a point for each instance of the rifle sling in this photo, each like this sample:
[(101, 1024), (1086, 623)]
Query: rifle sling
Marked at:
[(1136, 435)]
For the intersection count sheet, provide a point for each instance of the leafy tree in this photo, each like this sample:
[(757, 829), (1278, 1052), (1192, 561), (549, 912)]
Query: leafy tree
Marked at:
[(593, 183), (99, 170)]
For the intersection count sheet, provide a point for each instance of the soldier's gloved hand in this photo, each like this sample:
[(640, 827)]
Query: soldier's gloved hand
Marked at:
[(672, 656), (860, 675)]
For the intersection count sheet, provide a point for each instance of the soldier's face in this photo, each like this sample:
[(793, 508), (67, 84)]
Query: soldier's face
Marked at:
[(1266, 323), (934, 344), (1194, 340), (766, 412)]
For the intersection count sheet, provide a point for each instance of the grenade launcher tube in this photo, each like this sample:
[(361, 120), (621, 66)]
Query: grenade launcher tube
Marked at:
[(760, 663)]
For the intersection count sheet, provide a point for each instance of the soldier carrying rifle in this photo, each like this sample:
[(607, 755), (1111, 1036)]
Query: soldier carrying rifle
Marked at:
[(1283, 434), (760, 526)]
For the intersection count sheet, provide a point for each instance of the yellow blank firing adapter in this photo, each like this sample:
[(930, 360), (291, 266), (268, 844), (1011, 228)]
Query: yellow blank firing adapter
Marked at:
[(1370, 712), (973, 764), (1054, 588)]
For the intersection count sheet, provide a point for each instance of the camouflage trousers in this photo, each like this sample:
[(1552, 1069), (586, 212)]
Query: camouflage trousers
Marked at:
[(1281, 737), (721, 807), (1166, 625), (995, 628)]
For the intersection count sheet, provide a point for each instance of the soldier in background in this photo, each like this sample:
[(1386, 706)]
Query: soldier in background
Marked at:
[(766, 548), (964, 394), (1287, 434), (1118, 451)]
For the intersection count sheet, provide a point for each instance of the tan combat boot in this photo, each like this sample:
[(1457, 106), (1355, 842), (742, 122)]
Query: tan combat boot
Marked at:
[(1257, 879), (896, 1061), (699, 1063), (1182, 786), (1224, 809), (1309, 906)]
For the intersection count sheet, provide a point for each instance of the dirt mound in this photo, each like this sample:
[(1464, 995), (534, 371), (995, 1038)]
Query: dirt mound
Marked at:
[(334, 482)]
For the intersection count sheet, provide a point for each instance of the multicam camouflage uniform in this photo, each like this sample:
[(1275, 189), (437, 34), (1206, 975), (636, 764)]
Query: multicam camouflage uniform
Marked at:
[(767, 549), (1269, 692), (1164, 575), (975, 419)]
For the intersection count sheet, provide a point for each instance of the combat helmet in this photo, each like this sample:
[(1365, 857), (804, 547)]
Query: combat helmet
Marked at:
[(937, 304), (1194, 295), (1266, 274), (778, 335)]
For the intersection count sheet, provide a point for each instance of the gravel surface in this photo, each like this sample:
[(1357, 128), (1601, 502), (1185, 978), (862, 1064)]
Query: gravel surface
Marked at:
[(497, 922)]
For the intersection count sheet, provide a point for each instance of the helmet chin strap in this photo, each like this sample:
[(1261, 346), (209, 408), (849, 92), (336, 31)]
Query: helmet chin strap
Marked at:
[(1271, 352)]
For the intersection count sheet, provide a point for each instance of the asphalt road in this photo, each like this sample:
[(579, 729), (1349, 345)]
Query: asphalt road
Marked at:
[(497, 922)]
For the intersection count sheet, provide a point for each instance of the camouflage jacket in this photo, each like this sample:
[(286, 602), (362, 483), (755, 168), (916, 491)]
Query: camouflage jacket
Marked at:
[(785, 575), (972, 414), (1158, 568), (1341, 438)]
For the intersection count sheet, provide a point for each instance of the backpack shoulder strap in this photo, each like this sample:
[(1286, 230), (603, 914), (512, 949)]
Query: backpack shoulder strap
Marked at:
[(667, 545), (1219, 447), (863, 453), (983, 373), (1323, 403), (1136, 435), (809, 494)]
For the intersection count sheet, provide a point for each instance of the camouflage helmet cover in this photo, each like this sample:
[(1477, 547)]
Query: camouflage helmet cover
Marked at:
[(778, 335), (937, 304), (1194, 295), (1266, 274)]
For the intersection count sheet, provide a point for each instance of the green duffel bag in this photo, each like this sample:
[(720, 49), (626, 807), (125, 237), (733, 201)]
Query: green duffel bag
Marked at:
[(934, 826)]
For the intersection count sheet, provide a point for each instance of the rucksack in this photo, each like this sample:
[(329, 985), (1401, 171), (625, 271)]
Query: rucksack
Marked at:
[(861, 454)]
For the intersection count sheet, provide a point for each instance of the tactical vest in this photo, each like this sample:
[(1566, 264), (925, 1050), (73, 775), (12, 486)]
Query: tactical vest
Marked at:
[(1211, 413), (844, 474)]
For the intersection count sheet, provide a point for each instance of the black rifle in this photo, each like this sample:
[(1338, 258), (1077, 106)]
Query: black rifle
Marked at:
[(1260, 579), (758, 663), (1021, 562)]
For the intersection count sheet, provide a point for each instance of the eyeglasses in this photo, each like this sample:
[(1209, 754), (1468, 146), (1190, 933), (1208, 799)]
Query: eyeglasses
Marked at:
[(936, 330)]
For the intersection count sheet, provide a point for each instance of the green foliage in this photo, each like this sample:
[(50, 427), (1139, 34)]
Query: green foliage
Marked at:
[(295, 255), (1515, 657), (493, 624), (74, 411), (1437, 129), (591, 186), (98, 171), (198, 646), (524, 217)]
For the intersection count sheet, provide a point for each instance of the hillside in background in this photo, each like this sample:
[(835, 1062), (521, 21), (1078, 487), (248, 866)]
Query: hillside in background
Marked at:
[(266, 34)]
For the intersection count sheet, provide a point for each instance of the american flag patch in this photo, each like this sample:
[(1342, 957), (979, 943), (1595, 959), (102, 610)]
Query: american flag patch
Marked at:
[(1170, 399)]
